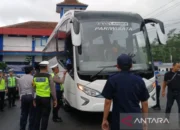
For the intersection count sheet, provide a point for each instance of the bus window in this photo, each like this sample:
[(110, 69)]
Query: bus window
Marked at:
[(69, 51)]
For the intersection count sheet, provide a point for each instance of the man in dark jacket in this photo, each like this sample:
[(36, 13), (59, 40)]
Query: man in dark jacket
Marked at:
[(125, 90)]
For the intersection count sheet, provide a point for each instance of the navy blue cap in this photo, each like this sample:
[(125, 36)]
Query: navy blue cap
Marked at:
[(124, 60)]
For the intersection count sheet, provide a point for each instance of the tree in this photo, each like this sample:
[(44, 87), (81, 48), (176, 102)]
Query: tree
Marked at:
[(172, 48), (28, 59), (3, 66)]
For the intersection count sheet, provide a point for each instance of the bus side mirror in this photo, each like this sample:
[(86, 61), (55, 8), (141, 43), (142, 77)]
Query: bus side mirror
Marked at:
[(160, 30), (75, 32), (160, 35)]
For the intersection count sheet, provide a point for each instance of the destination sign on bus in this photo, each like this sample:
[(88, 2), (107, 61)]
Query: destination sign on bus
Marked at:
[(113, 23), (113, 26)]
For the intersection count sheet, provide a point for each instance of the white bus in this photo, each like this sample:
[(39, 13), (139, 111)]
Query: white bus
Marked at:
[(93, 40)]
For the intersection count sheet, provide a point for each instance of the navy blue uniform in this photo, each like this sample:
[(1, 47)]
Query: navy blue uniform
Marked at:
[(126, 90), (158, 89)]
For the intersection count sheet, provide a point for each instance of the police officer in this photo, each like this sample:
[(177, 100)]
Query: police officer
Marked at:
[(12, 88), (2, 90), (26, 93), (44, 87), (59, 91), (158, 90), (125, 90), (172, 80)]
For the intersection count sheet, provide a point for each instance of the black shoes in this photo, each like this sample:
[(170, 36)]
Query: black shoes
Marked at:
[(156, 107), (57, 119)]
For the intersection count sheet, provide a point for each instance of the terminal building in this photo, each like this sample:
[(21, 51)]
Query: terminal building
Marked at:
[(22, 44)]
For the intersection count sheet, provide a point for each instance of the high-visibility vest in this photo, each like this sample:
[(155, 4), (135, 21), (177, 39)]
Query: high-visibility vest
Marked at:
[(42, 86), (60, 85), (11, 81), (2, 84)]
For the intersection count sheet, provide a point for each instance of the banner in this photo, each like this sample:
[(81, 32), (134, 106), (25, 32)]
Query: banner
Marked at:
[(16, 67)]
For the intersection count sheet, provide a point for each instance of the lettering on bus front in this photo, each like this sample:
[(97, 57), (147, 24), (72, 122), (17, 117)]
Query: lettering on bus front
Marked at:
[(113, 26), (113, 23)]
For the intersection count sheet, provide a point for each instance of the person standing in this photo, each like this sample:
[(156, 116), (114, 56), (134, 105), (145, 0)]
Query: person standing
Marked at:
[(59, 91), (126, 91), (158, 90), (44, 88), (26, 93), (172, 81), (2, 90), (12, 88)]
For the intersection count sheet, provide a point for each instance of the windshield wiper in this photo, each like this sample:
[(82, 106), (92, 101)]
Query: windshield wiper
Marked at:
[(141, 71), (103, 67)]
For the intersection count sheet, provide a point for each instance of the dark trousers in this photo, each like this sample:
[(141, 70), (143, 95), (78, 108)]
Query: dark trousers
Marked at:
[(171, 96), (43, 108), (2, 96), (59, 95), (158, 91), (12, 96), (26, 110)]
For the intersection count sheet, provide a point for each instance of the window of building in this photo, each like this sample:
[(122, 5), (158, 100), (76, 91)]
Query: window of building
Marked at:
[(41, 41)]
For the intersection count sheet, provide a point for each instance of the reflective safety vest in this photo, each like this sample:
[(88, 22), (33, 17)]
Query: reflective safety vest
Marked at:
[(58, 85), (42, 86), (11, 81), (2, 84)]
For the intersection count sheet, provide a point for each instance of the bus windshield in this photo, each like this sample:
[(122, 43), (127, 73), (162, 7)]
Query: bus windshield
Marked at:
[(104, 40)]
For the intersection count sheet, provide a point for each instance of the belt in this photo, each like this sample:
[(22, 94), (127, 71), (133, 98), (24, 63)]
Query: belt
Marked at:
[(26, 94)]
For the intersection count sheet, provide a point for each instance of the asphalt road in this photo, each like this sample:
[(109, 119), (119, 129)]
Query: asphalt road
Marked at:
[(75, 120)]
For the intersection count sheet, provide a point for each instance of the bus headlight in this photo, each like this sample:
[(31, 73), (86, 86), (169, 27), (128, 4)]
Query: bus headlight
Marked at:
[(151, 87), (89, 91)]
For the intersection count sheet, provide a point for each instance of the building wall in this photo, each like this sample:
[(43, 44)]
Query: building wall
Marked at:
[(8, 58), (12, 43), (38, 58)]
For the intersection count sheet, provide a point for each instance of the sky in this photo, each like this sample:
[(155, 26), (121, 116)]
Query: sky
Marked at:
[(17, 11)]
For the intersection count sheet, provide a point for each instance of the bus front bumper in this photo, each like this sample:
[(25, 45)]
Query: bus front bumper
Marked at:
[(92, 104)]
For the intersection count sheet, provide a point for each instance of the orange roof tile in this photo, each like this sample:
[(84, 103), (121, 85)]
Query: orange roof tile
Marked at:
[(34, 25)]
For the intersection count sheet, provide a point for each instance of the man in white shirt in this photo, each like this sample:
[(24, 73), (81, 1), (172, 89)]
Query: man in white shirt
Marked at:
[(26, 93)]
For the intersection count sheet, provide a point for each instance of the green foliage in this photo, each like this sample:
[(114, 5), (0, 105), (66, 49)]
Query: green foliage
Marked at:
[(3, 65), (28, 59), (164, 52)]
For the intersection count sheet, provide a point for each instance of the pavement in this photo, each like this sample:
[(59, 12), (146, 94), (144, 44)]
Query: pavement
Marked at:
[(74, 120)]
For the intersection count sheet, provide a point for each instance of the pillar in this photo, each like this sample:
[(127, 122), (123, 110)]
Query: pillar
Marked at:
[(62, 12), (33, 49), (1, 47)]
